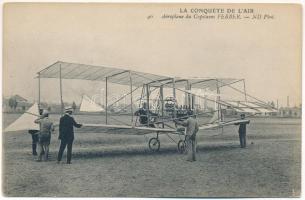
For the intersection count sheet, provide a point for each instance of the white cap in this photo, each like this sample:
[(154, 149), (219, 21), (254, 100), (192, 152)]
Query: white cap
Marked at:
[(68, 109)]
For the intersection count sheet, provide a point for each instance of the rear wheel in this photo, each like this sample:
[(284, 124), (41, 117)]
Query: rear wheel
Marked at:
[(181, 146), (154, 144)]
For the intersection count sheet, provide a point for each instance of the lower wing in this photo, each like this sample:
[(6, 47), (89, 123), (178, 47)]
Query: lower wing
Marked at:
[(223, 124), (121, 129)]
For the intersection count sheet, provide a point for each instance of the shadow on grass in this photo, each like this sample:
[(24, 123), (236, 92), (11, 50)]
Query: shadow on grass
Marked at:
[(144, 151)]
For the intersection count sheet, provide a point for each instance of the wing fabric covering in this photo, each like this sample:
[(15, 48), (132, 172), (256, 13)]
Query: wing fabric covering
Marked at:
[(89, 105), (25, 121), (222, 124), (214, 118)]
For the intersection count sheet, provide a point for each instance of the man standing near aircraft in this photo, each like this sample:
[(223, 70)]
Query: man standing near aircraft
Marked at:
[(66, 134), (242, 131), (192, 128), (35, 139), (46, 129)]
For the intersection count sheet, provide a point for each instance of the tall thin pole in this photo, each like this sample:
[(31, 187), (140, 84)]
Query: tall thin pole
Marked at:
[(174, 95), (218, 99), (189, 86), (60, 87), (245, 90), (147, 102), (131, 100), (220, 118), (193, 101), (186, 95), (106, 95), (38, 90), (191, 98), (162, 104)]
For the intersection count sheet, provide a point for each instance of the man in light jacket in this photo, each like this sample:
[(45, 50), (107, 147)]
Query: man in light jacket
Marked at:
[(192, 128), (46, 129)]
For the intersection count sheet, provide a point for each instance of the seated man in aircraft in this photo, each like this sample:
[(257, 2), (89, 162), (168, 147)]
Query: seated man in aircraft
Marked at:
[(143, 114)]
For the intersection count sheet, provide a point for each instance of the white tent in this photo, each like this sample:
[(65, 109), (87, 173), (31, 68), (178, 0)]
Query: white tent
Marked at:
[(25, 121), (88, 105)]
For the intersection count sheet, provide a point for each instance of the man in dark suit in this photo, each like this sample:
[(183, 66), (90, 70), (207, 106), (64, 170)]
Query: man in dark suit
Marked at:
[(66, 134), (242, 131)]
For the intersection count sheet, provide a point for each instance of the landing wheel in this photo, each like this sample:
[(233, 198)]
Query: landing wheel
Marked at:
[(154, 144), (181, 146)]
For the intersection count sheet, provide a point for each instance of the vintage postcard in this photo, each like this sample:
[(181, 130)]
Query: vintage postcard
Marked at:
[(151, 100)]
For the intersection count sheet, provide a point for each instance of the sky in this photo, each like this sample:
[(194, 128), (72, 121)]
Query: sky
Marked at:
[(266, 53)]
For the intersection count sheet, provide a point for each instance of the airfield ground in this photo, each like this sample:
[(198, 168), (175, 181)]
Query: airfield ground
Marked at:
[(122, 166)]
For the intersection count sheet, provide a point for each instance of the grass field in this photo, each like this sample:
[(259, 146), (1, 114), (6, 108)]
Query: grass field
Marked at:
[(106, 165)]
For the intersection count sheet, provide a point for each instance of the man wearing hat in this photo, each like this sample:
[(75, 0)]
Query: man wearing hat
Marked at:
[(46, 128), (192, 128), (66, 134), (242, 131)]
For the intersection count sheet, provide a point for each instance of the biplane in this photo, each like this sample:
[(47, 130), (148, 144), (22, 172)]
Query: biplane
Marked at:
[(155, 102)]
